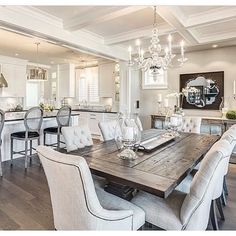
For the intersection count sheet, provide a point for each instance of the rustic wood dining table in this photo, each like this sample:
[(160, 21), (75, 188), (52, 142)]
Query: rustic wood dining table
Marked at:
[(157, 172)]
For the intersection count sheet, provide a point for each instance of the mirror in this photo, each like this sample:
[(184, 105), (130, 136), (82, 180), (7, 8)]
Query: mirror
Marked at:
[(201, 91)]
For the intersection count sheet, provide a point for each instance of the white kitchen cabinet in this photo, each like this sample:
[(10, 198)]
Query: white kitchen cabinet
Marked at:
[(94, 119), (106, 80), (83, 118)]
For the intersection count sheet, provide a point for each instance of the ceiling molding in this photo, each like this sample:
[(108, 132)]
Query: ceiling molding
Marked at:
[(99, 16), (144, 32)]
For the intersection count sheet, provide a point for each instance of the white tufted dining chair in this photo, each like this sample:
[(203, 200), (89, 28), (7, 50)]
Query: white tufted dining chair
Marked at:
[(77, 137), (75, 203), (191, 124), (181, 211), (109, 129), (222, 145)]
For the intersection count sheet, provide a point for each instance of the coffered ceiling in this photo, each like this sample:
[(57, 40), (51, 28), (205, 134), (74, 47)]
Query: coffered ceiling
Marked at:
[(109, 30), (199, 26)]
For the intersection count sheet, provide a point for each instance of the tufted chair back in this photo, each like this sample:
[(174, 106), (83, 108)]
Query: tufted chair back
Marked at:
[(74, 200), (196, 206), (76, 137), (191, 124), (109, 129)]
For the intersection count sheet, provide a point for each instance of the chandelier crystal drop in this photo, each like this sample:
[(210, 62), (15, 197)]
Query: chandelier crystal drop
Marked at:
[(155, 62)]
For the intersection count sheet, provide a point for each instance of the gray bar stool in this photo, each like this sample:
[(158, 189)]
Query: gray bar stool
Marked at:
[(63, 119), (33, 122), (2, 119)]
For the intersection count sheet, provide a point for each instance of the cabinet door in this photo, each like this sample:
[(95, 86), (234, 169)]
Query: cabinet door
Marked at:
[(106, 80), (83, 118), (94, 119)]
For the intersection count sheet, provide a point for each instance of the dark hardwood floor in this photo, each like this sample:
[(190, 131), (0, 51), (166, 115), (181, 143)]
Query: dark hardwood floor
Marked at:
[(25, 200)]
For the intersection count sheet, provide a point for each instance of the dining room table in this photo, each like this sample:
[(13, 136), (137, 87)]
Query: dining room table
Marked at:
[(158, 171)]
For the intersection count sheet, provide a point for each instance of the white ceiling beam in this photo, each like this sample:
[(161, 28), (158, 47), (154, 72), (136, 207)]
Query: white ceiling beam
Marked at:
[(24, 20), (98, 16), (211, 17), (138, 33), (173, 17)]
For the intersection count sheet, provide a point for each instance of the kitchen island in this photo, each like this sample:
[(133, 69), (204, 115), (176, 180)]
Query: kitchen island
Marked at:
[(14, 122)]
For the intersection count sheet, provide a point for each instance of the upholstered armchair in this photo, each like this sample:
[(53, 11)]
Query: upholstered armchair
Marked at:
[(76, 205), (191, 124), (188, 211)]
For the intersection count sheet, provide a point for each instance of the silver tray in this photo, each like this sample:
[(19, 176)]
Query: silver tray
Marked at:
[(153, 143)]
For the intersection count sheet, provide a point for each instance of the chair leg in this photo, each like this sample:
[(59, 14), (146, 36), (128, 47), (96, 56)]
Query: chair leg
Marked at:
[(225, 187), (220, 208), (38, 145), (223, 198), (26, 154), (213, 215), (12, 151), (0, 162)]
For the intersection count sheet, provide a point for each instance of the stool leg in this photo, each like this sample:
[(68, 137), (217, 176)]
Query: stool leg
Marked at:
[(30, 151), (58, 141), (12, 151), (44, 138), (38, 145), (26, 154), (0, 162)]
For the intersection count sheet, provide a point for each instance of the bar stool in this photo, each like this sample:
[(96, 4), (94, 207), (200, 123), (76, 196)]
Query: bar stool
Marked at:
[(63, 119), (33, 122), (2, 119)]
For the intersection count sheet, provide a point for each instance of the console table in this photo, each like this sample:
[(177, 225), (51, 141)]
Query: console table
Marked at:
[(210, 125)]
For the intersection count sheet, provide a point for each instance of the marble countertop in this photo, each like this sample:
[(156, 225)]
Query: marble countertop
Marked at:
[(19, 115)]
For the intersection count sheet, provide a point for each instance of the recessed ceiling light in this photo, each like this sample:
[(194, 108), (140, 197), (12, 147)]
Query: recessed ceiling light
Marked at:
[(214, 45), (52, 62), (16, 54)]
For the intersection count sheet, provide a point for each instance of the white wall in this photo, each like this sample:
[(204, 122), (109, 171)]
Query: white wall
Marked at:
[(222, 59)]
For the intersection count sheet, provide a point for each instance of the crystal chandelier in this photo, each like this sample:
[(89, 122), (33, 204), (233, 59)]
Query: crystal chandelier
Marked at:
[(155, 62)]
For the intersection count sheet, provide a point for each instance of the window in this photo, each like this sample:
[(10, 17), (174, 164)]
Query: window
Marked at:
[(154, 82), (87, 86)]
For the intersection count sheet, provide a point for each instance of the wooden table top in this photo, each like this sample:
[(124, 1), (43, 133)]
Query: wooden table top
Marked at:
[(158, 172)]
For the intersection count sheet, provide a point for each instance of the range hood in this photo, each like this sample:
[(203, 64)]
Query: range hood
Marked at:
[(3, 82)]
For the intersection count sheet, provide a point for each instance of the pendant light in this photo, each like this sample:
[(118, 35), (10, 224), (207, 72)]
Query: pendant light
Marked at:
[(3, 82), (37, 73)]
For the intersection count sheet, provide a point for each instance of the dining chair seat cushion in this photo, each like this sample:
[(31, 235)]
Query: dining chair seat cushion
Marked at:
[(22, 134), (191, 124), (76, 137), (164, 213), (51, 130), (112, 202)]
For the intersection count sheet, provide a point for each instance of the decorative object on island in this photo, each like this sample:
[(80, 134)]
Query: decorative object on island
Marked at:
[(202, 90), (37, 73), (3, 82), (128, 135), (46, 107), (155, 62), (231, 114)]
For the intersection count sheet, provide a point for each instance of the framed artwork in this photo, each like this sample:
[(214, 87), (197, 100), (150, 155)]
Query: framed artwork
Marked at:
[(202, 90), (154, 82)]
